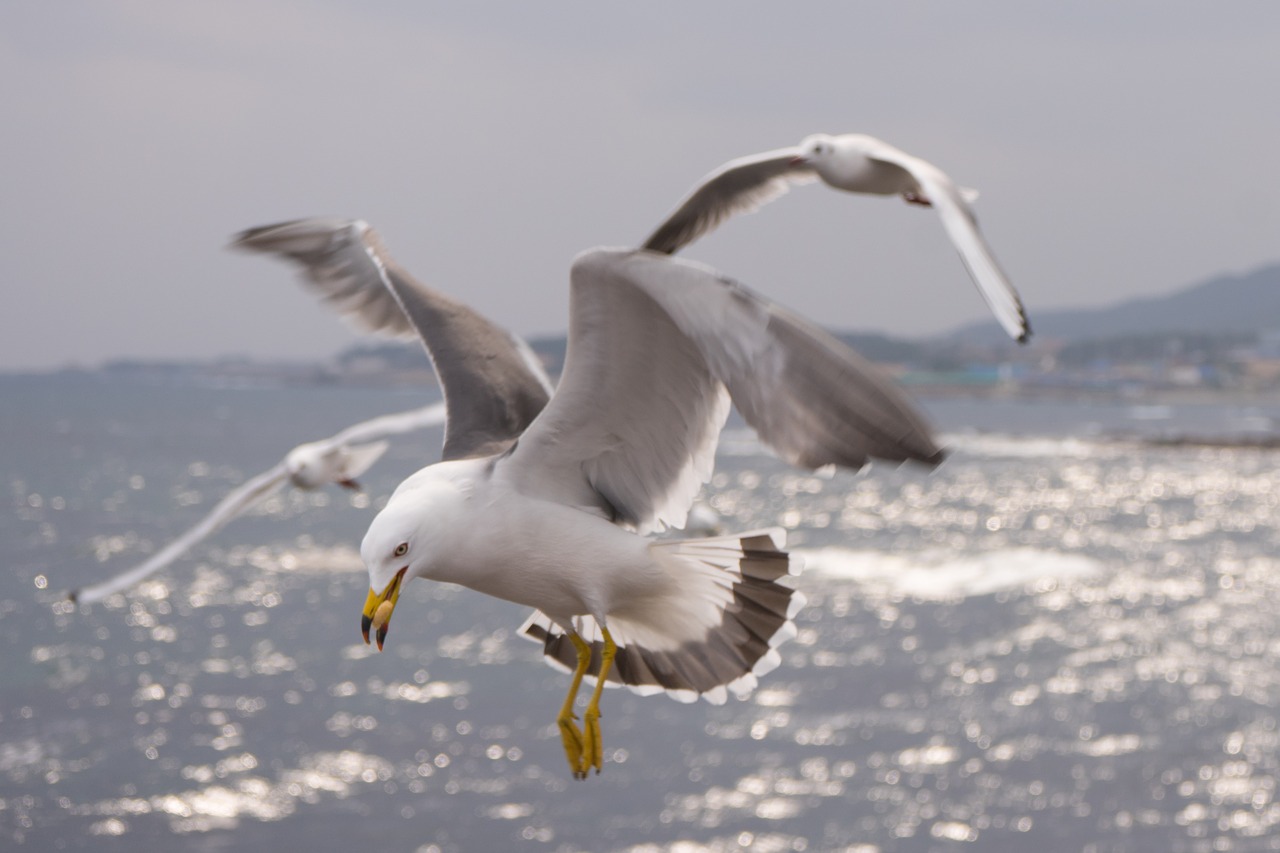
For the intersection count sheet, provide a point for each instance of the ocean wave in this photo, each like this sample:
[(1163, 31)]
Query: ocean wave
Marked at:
[(941, 574), (1000, 445)]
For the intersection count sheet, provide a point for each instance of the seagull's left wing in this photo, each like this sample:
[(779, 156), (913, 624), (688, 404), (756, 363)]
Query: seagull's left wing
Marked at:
[(962, 228), (739, 186), (654, 342), (236, 502)]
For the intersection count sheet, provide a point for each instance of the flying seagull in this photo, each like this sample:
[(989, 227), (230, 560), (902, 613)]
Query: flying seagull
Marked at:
[(338, 459), (556, 514), (856, 163)]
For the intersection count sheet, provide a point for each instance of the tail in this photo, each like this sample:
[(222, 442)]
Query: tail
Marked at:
[(714, 632)]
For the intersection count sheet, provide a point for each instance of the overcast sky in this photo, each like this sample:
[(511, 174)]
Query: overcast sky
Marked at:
[(1121, 149)]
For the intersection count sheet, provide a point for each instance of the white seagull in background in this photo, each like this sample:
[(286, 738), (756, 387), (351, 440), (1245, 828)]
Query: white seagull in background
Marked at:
[(338, 459), (856, 163), (553, 514)]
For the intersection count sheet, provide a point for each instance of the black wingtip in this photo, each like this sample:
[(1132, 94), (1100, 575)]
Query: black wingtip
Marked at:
[(365, 624), (933, 460), (1026, 328), (240, 240)]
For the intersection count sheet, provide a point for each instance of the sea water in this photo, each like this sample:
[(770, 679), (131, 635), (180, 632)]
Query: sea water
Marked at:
[(1062, 639)]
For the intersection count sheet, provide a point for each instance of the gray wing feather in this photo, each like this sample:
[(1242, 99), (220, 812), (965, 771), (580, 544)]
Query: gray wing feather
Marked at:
[(333, 256), (492, 387), (632, 429), (810, 397), (739, 186)]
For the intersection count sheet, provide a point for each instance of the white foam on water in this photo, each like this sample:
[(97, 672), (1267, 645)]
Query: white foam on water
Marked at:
[(1023, 447), (1252, 423), (238, 793), (310, 559), (940, 574), (984, 444)]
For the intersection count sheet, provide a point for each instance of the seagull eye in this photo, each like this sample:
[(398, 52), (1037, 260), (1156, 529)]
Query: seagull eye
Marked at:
[(402, 549)]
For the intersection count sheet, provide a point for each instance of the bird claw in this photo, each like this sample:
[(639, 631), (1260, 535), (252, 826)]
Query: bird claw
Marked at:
[(574, 745), (585, 751), (594, 744)]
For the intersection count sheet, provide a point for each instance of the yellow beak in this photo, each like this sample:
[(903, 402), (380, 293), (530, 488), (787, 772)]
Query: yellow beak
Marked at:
[(378, 607)]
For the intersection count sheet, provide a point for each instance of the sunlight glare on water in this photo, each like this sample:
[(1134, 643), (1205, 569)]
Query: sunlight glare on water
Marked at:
[(1056, 640)]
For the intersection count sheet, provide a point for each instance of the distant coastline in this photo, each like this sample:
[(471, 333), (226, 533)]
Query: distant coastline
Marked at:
[(1142, 370), (1215, 340)]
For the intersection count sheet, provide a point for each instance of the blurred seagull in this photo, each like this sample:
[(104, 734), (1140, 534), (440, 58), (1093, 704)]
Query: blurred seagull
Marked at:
[(552, 512), (856, 163), (338, 459)]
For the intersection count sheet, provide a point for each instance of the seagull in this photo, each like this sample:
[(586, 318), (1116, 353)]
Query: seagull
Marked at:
[(856, 163), (338, 459), (558, 514)]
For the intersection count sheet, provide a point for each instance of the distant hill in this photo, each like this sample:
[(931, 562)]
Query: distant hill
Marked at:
[(1223, 305)]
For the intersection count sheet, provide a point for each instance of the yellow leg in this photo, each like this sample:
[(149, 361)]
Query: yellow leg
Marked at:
[(594, 746), (570, 734)]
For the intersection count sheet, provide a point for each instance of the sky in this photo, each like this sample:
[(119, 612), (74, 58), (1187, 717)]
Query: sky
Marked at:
[(1121, 149)]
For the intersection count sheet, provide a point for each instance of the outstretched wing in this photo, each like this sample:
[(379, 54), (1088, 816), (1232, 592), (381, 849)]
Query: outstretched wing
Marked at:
[(962, 227), (739, 186), (492, 383), (355, 439), (236, 502), (384, 425), (654, 343)]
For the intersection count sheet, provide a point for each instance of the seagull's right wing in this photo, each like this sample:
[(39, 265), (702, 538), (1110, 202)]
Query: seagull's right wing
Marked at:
[(384, 425), (739, 186), (235, 503), (493, 384), (962, 227), (654, 342)]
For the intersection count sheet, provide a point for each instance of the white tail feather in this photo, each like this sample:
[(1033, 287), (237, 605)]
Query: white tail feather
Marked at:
[(716, 633)]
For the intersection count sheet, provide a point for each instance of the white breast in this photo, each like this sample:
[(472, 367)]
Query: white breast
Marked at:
[(561, 560)]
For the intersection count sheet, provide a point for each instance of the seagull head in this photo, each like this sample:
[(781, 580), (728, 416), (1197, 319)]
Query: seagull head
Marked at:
[(814, 149), (402, 544)]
